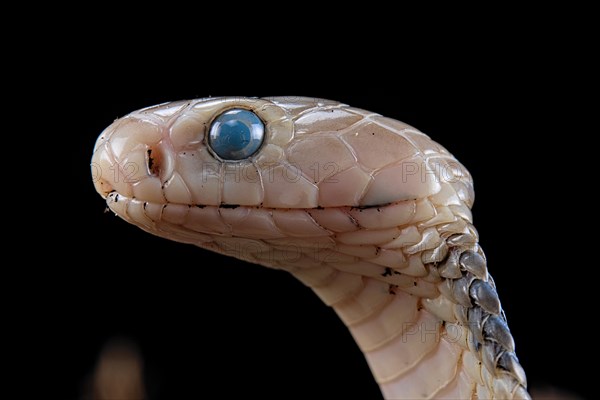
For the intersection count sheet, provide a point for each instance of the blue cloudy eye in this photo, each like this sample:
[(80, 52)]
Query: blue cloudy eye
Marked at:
[(236, 134)]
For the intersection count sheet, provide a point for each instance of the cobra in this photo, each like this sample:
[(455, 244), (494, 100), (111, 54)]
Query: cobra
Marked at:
[(367, 211)]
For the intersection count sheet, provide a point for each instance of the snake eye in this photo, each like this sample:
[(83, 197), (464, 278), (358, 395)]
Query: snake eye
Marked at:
[(236, 134)]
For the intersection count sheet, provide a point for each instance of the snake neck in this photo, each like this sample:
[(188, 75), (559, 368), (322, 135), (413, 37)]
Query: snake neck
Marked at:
[(439, 312), (409, 280)]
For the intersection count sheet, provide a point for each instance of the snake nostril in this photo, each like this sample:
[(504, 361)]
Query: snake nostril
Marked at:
[(153, 160)]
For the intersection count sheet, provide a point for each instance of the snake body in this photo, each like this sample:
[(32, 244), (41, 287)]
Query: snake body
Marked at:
[(367, 211)]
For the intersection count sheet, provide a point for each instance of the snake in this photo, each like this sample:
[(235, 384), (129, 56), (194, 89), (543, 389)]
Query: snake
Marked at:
[(367, 211)]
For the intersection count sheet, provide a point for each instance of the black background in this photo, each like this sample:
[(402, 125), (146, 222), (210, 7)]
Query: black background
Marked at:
[(208, 323)]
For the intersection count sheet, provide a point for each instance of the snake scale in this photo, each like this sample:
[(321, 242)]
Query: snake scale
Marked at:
[(367, 211)]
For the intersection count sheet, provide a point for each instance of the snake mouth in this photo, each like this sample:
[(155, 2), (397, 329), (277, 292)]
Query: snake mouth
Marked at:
[(113, 197), (193, 223)]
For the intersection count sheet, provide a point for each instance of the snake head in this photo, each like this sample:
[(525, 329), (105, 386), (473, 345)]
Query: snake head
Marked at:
[(305, 153)]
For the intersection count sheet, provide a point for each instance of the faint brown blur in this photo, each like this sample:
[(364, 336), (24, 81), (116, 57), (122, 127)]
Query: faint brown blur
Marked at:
[(552, 393), (118, 374)]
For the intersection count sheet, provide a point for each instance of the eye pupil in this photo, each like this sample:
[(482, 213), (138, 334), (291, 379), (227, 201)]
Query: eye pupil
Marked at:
[(236, 134)]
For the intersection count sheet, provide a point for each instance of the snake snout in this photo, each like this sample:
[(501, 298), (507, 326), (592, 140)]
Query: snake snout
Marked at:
[(130, 158)]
